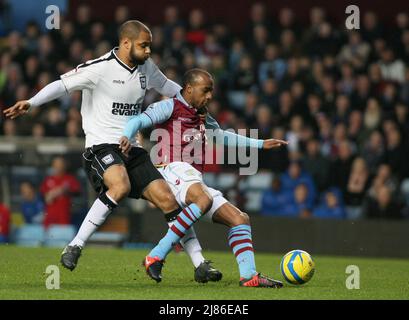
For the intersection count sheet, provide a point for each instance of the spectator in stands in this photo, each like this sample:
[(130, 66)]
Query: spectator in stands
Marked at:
[(54, 127), (196, 31), (355, 52), (272, 66), (384, 177), (371, 29), (37, 131), (57, 190), (32, 206), (355, 127), (361, 93), (299, 204), (274, 198), (83, 22), (294, 133), (263, 121), (286, 22), (9, 128), (296, 176), (342, 109), (4, 223), (373, 151), (122, 14), (286, 109), (317, 165), (244, 77), (346, 84), (401, 116), (341, 167), (171, 20), (391, 68), (31, 71), (330, 205), (73, 129), (357, 187), (323, 42), (384, 206), (258, 17), (260, 39), (396, 153), (277, 160)]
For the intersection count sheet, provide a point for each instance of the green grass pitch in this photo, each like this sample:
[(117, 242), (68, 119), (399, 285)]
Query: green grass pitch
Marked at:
[(105, 273)]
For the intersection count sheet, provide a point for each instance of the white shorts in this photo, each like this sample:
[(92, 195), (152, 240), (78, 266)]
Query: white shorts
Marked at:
[(180, 176)]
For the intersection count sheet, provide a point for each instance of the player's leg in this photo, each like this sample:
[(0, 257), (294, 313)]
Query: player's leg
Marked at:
[(147, 180), (109, 176), (240, 242), (180, 177), (159, 193), (204, 272), (117, 184)]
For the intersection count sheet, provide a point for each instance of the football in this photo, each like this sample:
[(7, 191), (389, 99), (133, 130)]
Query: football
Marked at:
[(297, 267)]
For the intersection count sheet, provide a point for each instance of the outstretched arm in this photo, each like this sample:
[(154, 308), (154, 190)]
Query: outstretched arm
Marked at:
[(50, 92), (232, 139), (82, 77)]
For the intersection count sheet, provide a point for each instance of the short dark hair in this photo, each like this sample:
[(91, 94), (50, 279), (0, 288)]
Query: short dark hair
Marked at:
[(131, 29), (191, 76)]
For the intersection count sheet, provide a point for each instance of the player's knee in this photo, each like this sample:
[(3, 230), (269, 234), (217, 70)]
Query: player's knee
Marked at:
[(120, 190), (167, 202), (242, 218), (204, 202)]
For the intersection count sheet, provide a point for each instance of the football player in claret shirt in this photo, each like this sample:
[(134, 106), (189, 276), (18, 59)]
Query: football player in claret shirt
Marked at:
[(113, 89), (180, 117)]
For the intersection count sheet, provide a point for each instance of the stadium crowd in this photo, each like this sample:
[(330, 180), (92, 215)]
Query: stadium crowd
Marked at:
[(339, 97)]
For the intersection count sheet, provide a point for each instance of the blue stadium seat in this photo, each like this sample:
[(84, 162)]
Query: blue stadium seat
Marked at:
[(209, 179), (30, 235), (260, 181), (59, 235), (226, 180), (253, 203), (114, 239)]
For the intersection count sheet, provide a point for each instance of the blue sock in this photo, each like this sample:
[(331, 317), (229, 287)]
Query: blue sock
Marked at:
[(184, 220), (242, 246)]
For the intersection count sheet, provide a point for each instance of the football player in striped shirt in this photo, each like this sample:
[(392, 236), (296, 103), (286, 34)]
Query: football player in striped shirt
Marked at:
[(180, 117)]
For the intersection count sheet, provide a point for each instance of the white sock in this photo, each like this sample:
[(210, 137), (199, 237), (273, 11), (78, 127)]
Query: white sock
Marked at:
[(192, 246), (94, 218)]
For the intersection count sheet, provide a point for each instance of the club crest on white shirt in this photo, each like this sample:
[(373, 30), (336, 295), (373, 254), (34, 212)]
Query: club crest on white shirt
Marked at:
[(142, 79)]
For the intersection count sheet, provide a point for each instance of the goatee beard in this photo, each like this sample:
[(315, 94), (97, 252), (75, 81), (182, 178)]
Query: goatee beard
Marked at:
[(136, 61)]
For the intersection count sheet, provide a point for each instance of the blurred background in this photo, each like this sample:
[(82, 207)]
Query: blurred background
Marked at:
[(293, 71)]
